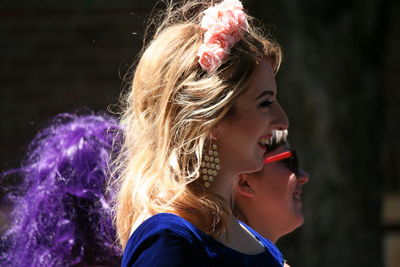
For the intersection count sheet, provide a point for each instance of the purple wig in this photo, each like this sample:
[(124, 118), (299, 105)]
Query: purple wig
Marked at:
[(61, 215)]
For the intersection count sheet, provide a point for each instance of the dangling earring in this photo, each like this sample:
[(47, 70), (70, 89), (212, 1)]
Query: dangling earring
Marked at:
[(210, 165)]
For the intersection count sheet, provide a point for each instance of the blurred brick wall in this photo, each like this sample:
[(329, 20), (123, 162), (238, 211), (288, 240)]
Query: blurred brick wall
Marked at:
[(390, 156), (390, 150), (57, 56)]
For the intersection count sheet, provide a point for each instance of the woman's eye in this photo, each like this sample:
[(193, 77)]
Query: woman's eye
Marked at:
[(266, 103)]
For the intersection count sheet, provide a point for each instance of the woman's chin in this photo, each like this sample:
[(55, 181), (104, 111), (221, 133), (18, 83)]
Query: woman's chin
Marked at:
[(256, 167), (250, 167), (299, 220)]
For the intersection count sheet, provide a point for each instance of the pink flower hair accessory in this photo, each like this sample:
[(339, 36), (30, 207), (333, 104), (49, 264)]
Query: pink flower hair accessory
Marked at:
[(224, 25)]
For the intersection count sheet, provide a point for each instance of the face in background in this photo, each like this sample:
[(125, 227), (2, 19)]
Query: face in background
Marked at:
[(254, 116), (270, 200)]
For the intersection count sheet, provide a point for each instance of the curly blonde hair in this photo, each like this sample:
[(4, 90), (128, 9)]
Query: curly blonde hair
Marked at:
[(170, 110)]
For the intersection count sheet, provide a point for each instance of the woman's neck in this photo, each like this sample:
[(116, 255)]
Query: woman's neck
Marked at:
[(235, 236), (239, 238), (223, 185)]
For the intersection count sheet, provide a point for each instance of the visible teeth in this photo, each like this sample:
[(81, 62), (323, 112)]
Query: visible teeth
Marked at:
[(264, 141)]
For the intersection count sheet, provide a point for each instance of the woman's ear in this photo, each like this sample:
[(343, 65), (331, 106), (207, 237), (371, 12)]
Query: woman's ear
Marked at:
[(244, 186), (214, 134)]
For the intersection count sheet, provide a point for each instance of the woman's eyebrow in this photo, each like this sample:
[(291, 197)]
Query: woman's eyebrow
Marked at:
[(266, 92)]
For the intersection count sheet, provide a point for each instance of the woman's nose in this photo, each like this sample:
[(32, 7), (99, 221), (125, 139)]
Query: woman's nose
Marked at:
[(303, 177), (280, 121)]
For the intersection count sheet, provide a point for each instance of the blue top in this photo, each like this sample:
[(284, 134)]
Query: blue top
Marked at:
[(166, 239)]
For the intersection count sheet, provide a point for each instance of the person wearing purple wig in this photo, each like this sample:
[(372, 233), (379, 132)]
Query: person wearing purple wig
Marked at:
[(61, 215)]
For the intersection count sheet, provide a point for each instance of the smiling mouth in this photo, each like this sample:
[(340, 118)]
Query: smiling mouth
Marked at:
[(263, 147), (265, 141)]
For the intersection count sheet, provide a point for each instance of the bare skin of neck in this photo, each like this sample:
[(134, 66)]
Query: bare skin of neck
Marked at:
[(240, 239), (236, 236)]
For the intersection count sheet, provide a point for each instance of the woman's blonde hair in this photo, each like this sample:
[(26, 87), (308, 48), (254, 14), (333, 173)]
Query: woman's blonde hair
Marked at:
[(169, 113)]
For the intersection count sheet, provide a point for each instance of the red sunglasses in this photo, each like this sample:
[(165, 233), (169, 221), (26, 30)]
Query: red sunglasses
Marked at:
[(289, 158)]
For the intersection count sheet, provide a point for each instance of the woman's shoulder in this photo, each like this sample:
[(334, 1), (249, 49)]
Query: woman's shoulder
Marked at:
[(168, 240), (164, 240), (170, 224)]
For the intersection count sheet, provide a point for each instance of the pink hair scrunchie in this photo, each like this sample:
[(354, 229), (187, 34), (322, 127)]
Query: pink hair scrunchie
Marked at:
[(224, 25)]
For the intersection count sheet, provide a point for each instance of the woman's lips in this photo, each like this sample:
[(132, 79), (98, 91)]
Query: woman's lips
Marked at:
[(264, 141), (263, 147)]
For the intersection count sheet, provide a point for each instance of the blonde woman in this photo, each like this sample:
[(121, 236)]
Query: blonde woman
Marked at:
[(202, 105)]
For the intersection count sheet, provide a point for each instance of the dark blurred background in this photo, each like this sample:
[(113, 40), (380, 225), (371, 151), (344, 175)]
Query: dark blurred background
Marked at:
[(339, 84)]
